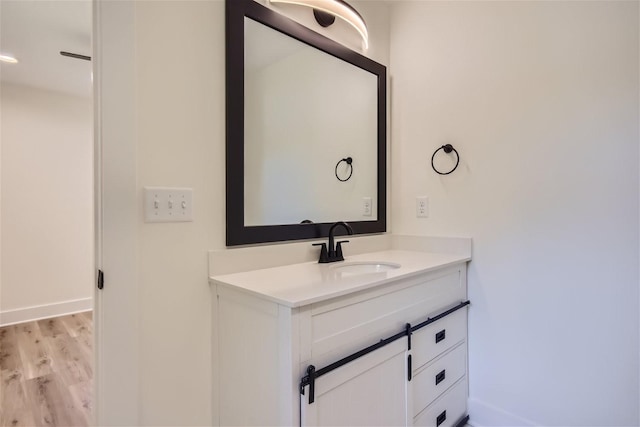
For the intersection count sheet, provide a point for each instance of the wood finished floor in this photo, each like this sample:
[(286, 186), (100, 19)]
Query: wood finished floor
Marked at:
[(46, 372)]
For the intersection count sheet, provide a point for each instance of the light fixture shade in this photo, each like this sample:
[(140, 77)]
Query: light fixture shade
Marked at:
[(339, 9)]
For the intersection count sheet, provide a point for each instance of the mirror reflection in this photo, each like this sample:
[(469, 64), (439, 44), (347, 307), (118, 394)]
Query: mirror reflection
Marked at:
[(305, 111)]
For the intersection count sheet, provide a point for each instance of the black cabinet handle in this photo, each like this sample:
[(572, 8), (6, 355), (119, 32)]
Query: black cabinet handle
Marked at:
[(440, 336), (440, 377), (441, 418)]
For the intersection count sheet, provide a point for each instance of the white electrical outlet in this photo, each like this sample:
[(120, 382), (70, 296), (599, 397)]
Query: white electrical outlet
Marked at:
[(162, 204), (422, 207), (366, 206)]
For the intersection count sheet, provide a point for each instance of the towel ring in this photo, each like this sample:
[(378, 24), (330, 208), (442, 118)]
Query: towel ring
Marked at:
[(349, 162), (448, 148)]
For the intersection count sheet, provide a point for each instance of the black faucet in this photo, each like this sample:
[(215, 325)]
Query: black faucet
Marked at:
[(333, 254)]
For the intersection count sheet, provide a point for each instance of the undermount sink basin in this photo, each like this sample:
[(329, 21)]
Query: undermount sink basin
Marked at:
[(365, 267)]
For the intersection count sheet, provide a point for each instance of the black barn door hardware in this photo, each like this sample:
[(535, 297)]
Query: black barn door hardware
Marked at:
[(430, 320), (313, 373), (100, 280)]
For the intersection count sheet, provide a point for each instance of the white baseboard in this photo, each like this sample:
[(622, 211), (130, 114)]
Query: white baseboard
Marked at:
[(482, 414), (28, 314)]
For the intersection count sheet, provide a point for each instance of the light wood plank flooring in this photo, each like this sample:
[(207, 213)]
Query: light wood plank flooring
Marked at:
[(46, 372)]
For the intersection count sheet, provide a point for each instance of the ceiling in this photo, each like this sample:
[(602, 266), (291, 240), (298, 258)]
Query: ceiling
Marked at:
[(34, 32)]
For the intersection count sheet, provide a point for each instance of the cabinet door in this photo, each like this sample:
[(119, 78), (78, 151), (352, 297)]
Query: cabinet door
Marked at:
[(370, 391)]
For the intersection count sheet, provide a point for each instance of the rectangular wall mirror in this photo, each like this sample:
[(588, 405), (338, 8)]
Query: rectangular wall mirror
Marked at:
[(306, 131)]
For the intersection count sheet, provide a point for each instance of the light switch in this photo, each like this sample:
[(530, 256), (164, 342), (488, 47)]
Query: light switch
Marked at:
[(165, 204)]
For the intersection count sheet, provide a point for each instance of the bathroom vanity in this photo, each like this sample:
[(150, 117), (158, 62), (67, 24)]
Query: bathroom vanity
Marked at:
[(380, 339)]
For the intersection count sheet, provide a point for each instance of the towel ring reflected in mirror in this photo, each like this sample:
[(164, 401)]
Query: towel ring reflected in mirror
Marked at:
[(349, 163)]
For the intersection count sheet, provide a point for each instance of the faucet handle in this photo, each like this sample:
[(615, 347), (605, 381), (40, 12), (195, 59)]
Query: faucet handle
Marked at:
[(324, 256), (339, 249)]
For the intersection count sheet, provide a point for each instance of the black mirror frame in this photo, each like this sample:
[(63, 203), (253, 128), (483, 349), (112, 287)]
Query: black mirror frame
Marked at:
[(237, 232)]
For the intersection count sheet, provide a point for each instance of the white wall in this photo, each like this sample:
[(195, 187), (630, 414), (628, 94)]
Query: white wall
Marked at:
[(177, 136), (47, 203), (181, 133), (541, 101)]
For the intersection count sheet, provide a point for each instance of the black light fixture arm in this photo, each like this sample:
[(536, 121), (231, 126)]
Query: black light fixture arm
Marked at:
[(326, 19), (323, 18)]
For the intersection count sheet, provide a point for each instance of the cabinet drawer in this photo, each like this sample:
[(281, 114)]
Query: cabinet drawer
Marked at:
[(447, 410), (438, 376), (438, 337), (345, 325)]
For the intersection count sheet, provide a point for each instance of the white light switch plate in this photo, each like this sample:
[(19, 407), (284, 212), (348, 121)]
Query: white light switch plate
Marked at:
[(165, 204), (422, 207)]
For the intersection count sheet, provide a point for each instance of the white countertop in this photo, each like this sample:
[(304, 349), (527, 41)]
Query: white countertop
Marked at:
[(296, 285)]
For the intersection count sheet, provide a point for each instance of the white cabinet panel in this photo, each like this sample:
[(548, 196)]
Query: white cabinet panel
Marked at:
[(448, 410), (438, 337), (344, 325), (438, 376), (245, 326), (369, 391)]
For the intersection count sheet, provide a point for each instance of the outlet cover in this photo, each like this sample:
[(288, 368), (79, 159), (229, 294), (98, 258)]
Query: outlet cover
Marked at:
[(422, 207), (366, 206)]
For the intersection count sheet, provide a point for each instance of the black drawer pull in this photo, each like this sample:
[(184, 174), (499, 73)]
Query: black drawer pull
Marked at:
[(440, 377), (440, 336), (441, 418)]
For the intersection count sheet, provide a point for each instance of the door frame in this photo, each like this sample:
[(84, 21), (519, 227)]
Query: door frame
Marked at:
[(116, 379)]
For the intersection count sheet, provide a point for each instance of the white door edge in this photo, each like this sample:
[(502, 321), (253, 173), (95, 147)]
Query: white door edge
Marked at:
[(116, 383)]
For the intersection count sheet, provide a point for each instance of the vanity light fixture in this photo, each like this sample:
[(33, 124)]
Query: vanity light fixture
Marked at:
[(325, 12), (8, 59)]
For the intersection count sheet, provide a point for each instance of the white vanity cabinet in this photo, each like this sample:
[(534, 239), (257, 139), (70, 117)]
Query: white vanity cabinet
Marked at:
[(369, 391), (266, 343)]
